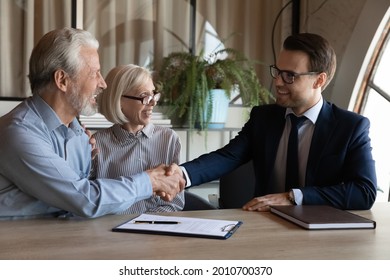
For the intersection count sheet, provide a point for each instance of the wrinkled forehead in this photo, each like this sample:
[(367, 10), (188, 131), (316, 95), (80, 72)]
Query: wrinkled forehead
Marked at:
[(90, 58)]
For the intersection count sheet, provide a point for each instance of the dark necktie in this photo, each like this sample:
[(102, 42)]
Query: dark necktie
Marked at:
[(292, 170)]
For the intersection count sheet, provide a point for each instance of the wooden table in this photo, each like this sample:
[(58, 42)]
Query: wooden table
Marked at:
[(262, 236)]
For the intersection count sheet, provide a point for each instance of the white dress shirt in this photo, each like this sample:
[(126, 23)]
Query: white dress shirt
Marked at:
[(305, 134)]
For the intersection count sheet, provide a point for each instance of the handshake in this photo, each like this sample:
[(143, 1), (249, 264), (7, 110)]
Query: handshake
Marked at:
[(167, 181)]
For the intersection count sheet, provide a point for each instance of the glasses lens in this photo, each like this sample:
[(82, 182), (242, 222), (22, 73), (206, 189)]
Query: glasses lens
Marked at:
[(274, 71), (287, 77), (157, 96), (149, 98)]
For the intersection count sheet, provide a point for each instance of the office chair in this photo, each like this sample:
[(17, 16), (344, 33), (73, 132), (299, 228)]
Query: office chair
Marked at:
[(194, 202), (237, 187)]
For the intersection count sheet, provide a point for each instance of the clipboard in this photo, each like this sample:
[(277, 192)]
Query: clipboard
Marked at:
[(180, 226)]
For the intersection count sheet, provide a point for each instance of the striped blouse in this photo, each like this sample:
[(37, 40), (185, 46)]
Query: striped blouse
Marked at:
[(121, 153)]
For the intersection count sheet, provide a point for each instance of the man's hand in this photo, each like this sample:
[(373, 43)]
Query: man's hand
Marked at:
[(92, 141), (166, 186), (174, 169), (262, 203)]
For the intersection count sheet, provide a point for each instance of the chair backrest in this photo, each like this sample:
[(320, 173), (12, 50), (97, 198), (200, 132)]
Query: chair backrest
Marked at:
[(194, 202), (237, 187)]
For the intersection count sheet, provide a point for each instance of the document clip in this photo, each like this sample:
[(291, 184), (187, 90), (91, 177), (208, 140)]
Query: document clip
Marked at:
[(231, 228)]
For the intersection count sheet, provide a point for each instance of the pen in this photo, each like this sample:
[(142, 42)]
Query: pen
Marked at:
[(157, 222)]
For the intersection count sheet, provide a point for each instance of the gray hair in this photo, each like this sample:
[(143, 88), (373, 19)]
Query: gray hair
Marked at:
[(58, 49), (121, 80)]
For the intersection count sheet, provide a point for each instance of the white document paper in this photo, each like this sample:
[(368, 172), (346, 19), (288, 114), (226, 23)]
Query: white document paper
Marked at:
[(184, 226)]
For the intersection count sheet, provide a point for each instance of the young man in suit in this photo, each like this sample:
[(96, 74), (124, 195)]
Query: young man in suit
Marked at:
[(335, 164)]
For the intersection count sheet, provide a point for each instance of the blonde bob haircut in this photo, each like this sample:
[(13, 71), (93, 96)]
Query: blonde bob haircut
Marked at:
[(121, 80)]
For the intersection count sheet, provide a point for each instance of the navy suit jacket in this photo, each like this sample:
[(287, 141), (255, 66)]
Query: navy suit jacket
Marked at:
[(340, 168)]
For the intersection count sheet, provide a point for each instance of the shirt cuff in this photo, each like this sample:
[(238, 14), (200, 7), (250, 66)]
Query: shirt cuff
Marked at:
[(186, 177), (298, 196), (146, 189)]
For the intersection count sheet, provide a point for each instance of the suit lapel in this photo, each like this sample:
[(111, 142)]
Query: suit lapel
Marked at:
[(274, 134), (323, 131)]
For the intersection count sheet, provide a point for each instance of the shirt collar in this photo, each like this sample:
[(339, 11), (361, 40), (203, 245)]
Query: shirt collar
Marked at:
[(312, 113), (123, 135), (50, 118)]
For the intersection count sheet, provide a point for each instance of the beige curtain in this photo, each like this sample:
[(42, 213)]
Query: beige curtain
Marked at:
[(138, 31), (22, 23), (247, 26), (143, 31)]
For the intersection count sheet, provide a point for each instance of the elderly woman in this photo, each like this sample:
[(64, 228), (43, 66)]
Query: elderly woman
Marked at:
[(133, 144)]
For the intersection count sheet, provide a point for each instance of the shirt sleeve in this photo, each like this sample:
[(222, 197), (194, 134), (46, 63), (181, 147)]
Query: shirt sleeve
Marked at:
[(36, 169)]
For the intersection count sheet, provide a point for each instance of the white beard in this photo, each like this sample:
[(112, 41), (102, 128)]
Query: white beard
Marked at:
[(82, 106)]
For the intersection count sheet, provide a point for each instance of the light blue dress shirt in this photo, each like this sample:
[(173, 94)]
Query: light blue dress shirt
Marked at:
[(44, 168)]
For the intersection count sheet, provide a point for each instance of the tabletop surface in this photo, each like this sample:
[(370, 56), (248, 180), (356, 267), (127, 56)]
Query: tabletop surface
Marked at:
[(261, 236)]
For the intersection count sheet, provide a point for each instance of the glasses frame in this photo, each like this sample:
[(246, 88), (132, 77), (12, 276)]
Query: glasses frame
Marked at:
[(146, 99), (292, 74)]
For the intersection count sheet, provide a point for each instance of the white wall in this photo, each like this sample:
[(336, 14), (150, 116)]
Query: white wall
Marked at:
[(6, 106)]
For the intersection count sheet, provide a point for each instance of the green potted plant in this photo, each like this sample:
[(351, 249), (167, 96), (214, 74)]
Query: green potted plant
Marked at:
[(186, 82)]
